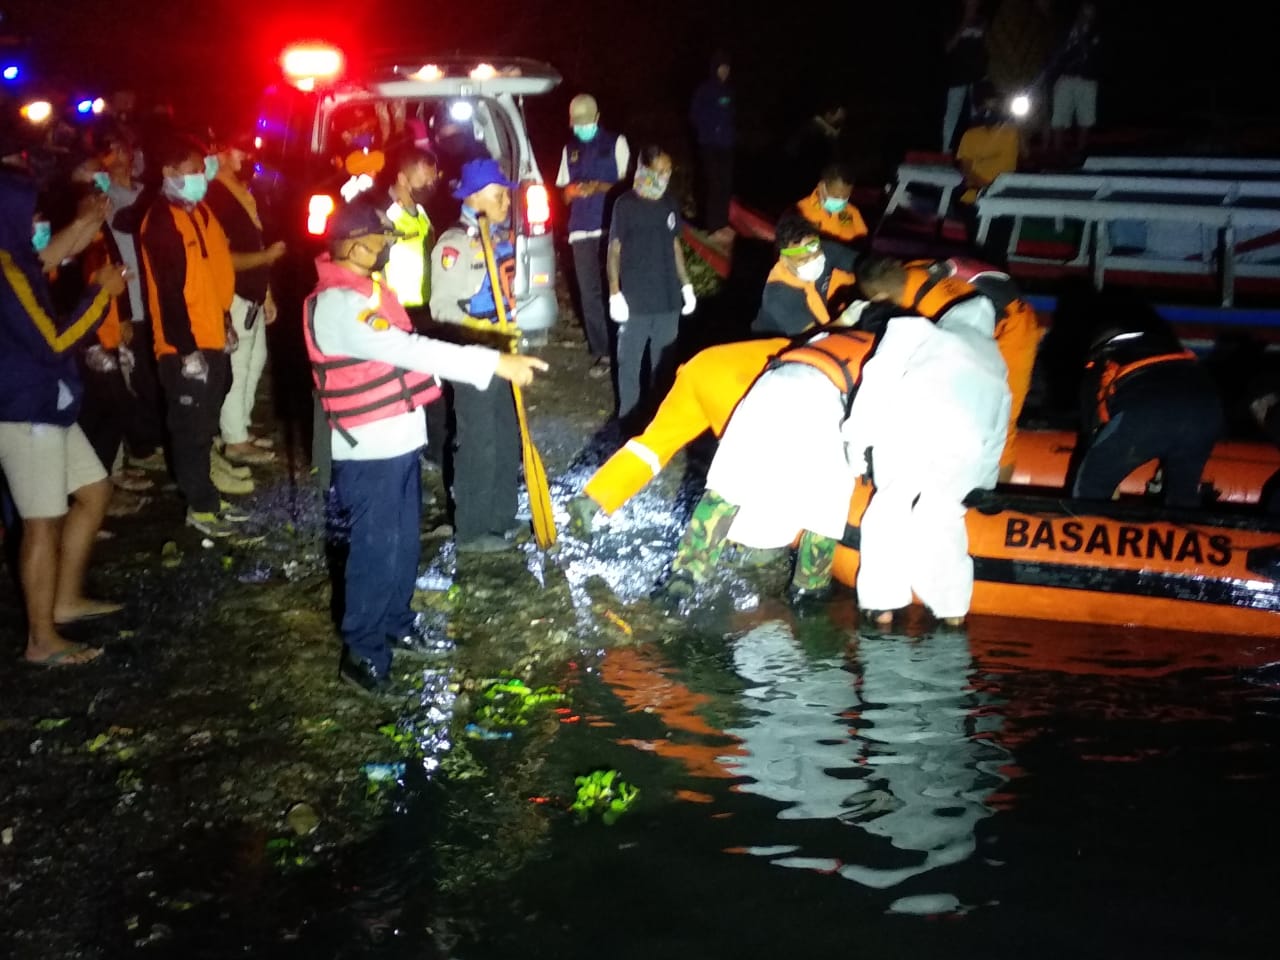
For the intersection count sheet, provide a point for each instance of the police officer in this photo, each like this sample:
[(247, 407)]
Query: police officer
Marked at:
[(589, 169), (486, 443), (372, 375)]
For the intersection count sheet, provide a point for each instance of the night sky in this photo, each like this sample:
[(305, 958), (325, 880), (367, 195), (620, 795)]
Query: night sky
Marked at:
[(211, 57)]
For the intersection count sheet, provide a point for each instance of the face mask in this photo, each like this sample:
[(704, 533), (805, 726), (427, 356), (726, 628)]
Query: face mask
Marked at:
[(650, 184), (586, 132), (834, 204), (380, 259), (811, 271), (422, 194), (102, 181), (41, 234), (189, 189), (210, 167)]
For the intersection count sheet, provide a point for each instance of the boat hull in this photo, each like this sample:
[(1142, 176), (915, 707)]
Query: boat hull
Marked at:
[(1047, 558)]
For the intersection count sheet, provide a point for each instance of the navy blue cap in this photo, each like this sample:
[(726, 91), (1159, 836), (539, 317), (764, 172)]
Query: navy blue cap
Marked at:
[(478, 174), (359, 218)]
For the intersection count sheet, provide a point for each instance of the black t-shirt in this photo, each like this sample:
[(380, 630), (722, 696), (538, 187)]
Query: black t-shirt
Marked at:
[(243, 236), (647, 230)]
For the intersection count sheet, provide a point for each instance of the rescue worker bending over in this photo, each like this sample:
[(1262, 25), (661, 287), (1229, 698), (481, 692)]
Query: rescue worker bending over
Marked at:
[(1145, 397), (372, 373), (781, 467), (928, 425), (949, 288), (828, 208), (706, 390), (804, 288), (487, 443)]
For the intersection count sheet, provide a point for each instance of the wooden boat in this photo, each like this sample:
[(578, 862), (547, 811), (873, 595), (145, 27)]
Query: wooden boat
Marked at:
[(1050, 558)]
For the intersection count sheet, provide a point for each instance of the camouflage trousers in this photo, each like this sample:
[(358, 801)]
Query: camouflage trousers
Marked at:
[(703, 543)]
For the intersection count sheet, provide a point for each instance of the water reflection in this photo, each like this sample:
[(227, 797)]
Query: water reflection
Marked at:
[(893, 740)]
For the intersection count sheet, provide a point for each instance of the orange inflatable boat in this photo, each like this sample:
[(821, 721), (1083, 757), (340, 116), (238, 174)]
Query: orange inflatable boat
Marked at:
[(1237, 471), (1049, 558)]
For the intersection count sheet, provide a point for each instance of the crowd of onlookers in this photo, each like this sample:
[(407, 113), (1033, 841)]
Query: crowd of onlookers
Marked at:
[(134, 299)]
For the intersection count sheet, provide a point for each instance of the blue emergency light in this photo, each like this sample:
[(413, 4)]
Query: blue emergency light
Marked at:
[(11, 72), (84, 106)]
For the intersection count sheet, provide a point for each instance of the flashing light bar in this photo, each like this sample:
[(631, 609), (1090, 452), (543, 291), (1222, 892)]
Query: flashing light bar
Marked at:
[(428, 74), (37, 111), (461, 111), (12, 72), (304, 64), (484, 71), (84, 107)]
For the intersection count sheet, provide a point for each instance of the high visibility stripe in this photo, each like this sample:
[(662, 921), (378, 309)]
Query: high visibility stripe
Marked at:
[(58, 342), (644, 453)]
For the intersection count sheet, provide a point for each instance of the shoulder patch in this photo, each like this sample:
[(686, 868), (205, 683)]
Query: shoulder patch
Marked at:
[(375, 321), (448, 257)]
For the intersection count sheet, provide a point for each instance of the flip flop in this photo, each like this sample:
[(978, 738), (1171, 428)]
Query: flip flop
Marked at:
[(60, 658)]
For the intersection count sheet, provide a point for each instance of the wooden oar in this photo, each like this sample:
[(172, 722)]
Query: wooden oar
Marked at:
[(535, 475)]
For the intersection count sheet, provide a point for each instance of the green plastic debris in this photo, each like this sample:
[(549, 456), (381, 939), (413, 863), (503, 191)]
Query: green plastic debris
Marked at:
[(510, 702), (52, 723), (170, 555), (603, 792), (97, 743)]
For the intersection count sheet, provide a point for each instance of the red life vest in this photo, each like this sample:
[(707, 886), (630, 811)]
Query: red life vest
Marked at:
[(353, 391)]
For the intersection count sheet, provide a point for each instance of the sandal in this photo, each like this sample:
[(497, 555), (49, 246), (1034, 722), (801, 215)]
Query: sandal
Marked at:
[(63, 658), (879, 618)]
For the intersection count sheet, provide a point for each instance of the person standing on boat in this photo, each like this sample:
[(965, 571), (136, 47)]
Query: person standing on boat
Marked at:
[(966, 65), (928, 426), (1145, 397), (828, 208), (1075, 89)]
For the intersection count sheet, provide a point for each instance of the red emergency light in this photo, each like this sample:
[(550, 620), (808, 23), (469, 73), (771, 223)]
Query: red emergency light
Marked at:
[(537, 209), (304, 64), (319, 209)]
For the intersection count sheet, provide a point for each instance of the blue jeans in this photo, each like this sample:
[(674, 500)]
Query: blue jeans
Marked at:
[(378, 505)]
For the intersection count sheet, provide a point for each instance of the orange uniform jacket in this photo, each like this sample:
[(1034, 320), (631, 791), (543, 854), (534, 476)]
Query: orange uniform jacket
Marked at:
[(790, 306), (845, 226), (1017, 334), (706, 391), (190, 280)]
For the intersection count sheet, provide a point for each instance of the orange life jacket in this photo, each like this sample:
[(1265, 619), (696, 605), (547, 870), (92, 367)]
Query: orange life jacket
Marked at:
[(932, 288), (840, 355), (353, 391), (1113, 374)]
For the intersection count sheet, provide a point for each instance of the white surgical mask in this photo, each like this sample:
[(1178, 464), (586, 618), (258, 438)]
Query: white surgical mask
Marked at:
[(812, 270)]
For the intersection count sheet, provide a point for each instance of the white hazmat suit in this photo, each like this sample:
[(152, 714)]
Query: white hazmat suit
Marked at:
[(933, 409)]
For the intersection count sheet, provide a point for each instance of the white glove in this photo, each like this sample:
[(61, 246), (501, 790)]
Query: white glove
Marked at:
[(195, 367), (619, 312), (128, 362), (690, 301), (99, 359), (853, 313)]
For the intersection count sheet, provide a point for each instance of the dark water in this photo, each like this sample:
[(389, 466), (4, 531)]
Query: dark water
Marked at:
[(805, 790)]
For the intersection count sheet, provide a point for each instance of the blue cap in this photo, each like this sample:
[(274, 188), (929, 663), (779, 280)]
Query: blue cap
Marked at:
[(478, 174)]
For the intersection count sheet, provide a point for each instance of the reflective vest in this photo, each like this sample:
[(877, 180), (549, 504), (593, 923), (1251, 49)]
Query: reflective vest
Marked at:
[(1114, 373), (210, 282), (406, 271), (840, 354), (354, 391), (597, 159)]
